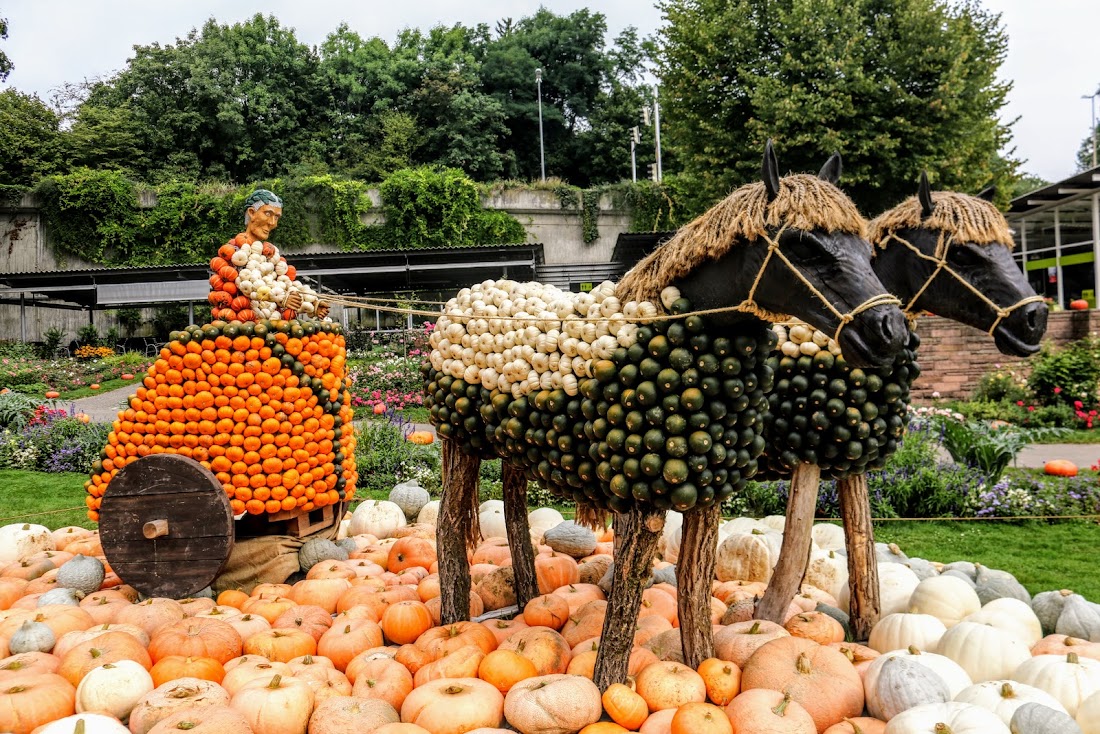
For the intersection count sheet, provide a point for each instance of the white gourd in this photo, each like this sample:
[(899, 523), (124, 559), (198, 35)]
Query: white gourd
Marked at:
[(114, 688), (947, 598), (1088, 715), (20, 540), (1069, 678), (376, 517), (828, 536), (828, 571), (1003, 697), (953, 717), (492, 523), (984, 652), (91, 724), (429, 513), (902, 630), (1011, 615), (896, 583)]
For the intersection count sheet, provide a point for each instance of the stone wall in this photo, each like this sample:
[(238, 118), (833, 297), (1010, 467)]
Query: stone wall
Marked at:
[(953, 357)]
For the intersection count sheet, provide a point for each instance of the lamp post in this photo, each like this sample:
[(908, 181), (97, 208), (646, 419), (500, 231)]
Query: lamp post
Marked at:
[(542, 153), (1092, 97), (657, 130)]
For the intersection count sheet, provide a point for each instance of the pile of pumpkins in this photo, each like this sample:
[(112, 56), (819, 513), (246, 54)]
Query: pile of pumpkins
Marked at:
[(355, 644)]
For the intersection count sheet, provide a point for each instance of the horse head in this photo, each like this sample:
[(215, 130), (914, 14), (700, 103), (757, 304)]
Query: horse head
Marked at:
[(782, 247), (951, 254)]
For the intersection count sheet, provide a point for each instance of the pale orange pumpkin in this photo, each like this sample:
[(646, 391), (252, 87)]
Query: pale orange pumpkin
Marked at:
[(28, 663), (656, 602), (196, 638), (577, 595), (819, 678), (331, 569), (280, 644), (439, 641), (504, 668), (324, 593), (383, 679), (268, 607), (816, 626), (428, 588), (410, 552), (400, 728), (11, 590), (764, 711), (554, 572), (668, 685), (858, 725), (414, 658), (326, 682), (306, 617), (196, 605), (151, 614), (701, 718), (276, 705), (247, 624), (232, 598), (256, 667), (502, 629), (659, 722), (342, 642), (172, 667), (583, 664), (34, 700), (493, 551), (454, 706), (625, 706), (860, 656), (351, 714), (172, 697), (737, 642), (604, 727), (203, 720), (106, 648), (544, 647), (462, 663), (721, 678), (548, 610), (404, 621)]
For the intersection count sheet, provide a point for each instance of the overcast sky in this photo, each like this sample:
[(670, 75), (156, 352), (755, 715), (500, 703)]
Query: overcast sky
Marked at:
[(1053, 57)]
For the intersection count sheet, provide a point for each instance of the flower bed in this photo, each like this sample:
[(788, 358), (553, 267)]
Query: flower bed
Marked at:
[(52, 440), (35, 376)]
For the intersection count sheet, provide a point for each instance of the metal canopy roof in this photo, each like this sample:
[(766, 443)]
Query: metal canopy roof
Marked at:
[(1074, 187), (375, 271), (631, 247)]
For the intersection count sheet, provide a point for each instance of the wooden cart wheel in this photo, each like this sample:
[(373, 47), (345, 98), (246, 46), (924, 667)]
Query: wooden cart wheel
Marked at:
[(166, 525)]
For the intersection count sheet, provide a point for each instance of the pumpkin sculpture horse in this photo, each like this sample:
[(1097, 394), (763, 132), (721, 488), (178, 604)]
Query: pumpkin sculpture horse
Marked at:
[(562, 386), (944, 252)]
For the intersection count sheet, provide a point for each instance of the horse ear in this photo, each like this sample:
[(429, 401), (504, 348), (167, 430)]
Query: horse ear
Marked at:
[(924, 194), (769, 171), (831, 170), (987, 193)]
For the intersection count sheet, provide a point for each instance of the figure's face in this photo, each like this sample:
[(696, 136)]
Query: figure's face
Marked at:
[(263, 221)]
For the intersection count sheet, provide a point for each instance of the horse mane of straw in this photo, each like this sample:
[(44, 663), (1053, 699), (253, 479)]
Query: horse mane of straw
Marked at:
[(804, 202), (966, 219)]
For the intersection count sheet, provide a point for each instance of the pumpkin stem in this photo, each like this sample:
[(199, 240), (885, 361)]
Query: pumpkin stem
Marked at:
[(308, 660), (1007, 690), (914, 650), (755, 629), (803, 664), (942, 728), (95, 652), (185, 725), (781, 709), (1072, 658), (347, 630), (855, 727), (16, 689), (79, 728), (452, 690), (276, 681)]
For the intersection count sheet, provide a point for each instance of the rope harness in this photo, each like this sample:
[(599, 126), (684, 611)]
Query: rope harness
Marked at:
[(940, 259), (748, 305)]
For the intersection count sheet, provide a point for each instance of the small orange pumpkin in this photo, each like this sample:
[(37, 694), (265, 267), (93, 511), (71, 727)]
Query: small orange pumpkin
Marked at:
[(1060, 468), (625, 707), (421, 437)]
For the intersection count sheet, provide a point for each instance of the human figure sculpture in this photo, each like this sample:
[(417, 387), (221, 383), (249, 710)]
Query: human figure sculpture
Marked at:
[(251, 279)]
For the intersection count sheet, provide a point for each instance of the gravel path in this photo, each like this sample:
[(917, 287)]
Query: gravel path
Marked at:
[(104, 407)]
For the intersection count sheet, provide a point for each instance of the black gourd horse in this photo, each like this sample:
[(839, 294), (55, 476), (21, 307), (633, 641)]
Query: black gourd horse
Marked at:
[(794, 245)]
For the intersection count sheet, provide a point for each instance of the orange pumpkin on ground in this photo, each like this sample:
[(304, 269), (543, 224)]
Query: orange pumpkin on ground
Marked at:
[(1060, 468), (504, 668), (858, 725), (383, 679), (701, 718), (669, 685), (722, 679), (172, 667), (763, 711), (196, 638), (625, 706)]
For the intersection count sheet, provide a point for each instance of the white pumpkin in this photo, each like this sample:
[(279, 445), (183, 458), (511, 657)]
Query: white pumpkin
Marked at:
[(670, 549), (984, 652), (828, 536), (1068, 678), (901, 684), (492, 523), (545, 517), (1012, 616), (491, 505), (674, 521), (947, 598), (828, 571), (1088, 715), (429, 513), (748, 556), (778, 523), (113, 688), (952, 673), (895, 583), (1003, 697), (19, 540), (93, 724), (377, 517), (953, 717), (899, 631), (742, 525)]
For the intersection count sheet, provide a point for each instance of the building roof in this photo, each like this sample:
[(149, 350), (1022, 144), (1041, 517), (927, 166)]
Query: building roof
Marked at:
[(1074, 187)]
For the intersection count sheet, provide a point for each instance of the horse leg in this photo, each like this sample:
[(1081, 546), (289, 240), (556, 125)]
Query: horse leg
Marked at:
[(694, 573), (639, 529), (794, 556), (519, 533), (456, 530), (859, 538)]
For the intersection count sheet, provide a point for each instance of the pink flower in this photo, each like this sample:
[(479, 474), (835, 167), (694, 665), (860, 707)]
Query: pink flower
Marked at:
[(1030, 408), (1020, 403), (1078, 404), (1057, 390)]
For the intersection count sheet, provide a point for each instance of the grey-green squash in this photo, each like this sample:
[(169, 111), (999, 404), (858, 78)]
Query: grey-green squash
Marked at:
[(991, 584), (964, 567), (1047, 606), (61, 595), (410, 497), (571, 539), (32, 636), (82, 573), (315, 550), (922, 568), (1035, 718), (889, 553), (1079, 618), (902, 684)]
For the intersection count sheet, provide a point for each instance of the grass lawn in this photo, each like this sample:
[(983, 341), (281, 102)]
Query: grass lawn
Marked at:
[(105, 386), (27, 493), (1073, 436), (1042, 556)]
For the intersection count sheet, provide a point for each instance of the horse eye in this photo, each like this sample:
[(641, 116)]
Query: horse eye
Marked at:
[(804, 248), (962, 256)]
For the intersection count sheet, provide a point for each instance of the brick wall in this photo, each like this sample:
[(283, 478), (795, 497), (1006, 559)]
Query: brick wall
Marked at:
[(953, 357)]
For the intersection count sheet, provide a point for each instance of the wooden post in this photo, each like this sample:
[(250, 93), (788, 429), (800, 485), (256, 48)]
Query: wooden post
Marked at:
[(154, 529), (794, 556), (694, 573), (519, 533), (859, 539), (456, 526), (639, 529)]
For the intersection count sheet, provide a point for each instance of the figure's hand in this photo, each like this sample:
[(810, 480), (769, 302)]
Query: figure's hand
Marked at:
[(322, 309), (293, 301)]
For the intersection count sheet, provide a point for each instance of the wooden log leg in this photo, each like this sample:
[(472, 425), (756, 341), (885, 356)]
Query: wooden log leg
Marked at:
[(859, 539), (456, 525), (694, 574), (639, 529), (794, 556), (519, 532)]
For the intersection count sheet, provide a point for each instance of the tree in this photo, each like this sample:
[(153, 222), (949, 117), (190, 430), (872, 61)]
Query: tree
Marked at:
[(897, 86), (29, 139), (5, 63), (1084, 153)]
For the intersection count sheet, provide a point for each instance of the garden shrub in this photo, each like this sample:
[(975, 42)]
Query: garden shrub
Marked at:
[(1068, 374), (1002, 385), (53, 441), (384, 458)]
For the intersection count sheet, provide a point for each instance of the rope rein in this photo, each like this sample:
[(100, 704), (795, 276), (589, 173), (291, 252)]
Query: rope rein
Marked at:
[(748, 305), (940, 259)]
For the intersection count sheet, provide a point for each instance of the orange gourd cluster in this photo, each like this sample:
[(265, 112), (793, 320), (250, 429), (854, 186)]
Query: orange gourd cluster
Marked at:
[(226, 300), (262, 405)]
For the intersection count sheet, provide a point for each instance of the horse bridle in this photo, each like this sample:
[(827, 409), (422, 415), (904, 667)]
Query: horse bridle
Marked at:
[(750, 306), (940, 259)]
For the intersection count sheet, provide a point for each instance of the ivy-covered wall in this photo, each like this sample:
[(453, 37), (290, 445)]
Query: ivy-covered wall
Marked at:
[(103, 218)]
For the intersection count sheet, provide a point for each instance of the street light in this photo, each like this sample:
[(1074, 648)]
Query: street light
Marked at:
[(542, 153), (1093, 98)]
